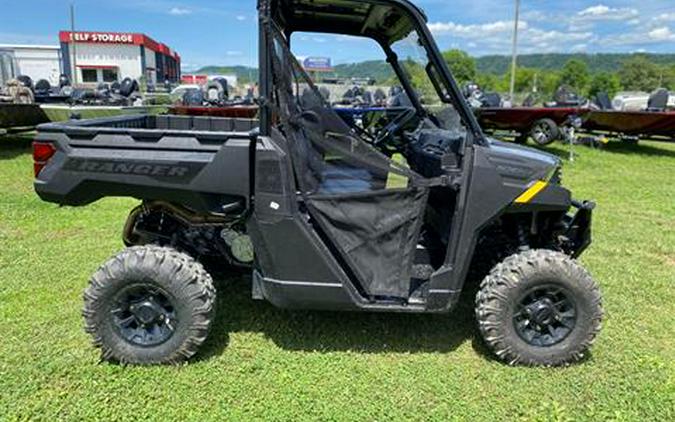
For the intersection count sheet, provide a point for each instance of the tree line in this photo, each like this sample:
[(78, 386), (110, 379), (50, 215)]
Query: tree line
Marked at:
[(635, 73)]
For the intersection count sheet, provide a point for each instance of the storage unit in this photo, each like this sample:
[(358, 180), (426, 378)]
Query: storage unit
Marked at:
[(113, 56)]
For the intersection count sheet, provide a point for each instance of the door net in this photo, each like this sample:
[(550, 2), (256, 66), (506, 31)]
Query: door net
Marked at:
[(370, 207)]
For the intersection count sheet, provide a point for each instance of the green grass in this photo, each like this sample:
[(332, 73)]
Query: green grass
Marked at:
[(264, 363)]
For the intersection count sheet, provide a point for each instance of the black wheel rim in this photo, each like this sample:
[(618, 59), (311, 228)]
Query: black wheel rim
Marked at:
[(545, 316), (144, 315)]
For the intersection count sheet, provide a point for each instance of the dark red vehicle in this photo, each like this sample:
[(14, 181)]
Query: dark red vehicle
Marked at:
[(542, 124), (233, 112), (648, 124)]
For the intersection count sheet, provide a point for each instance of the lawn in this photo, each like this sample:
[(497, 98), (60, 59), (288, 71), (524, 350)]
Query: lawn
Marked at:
[(264, 363)]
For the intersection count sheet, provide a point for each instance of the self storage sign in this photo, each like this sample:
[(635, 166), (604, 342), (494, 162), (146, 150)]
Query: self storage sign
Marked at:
[(102, 37)]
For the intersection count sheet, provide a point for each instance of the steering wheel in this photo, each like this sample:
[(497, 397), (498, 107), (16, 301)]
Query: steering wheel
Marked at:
[(398, 122)]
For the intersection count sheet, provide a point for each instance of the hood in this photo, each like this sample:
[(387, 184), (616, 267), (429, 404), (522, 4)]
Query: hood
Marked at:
[(520, 163)]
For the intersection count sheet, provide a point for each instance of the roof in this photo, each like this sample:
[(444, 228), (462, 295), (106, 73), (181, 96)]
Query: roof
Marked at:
[(28, 46), (383, 20)]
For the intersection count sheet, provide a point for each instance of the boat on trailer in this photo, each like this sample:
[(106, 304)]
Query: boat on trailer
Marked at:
[(20, 117), (65, 112), (637, 124)]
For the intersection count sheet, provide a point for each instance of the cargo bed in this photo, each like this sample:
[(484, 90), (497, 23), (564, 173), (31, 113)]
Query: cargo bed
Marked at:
[(202, 162)]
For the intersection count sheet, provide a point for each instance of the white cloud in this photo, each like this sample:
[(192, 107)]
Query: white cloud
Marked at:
[(606, 13), (474, 30), (232, 53), (665, 17), (241, 18), (661, 34), (179, 11), (495, 37), (579, 48)]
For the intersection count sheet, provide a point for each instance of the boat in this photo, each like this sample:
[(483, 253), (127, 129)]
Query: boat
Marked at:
[(20, 117), (644, 124), (637, 101), (541, 123), (232, 111), (655, 121), (64, 112)]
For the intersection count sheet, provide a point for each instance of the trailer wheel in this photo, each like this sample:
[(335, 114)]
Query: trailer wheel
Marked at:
[(544, 132), (149, 305), (539, 307)]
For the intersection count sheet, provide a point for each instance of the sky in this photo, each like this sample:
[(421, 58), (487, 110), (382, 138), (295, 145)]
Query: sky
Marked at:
[(224, 32)]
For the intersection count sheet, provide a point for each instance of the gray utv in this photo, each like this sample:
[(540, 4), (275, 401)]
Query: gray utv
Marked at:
[(325, 213)]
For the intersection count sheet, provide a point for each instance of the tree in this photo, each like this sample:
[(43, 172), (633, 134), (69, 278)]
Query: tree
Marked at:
[(640, 74), (525, 79), (462, 65), (604, 82), (575, 74)]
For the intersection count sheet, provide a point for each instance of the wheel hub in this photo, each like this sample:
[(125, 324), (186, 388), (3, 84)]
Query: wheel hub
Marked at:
[(146, 312), (144, 315), (545, 316), (542, 311)]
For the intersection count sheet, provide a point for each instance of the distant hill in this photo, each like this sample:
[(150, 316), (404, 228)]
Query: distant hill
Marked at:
[(377, 69), (497, 65), (244, 74)]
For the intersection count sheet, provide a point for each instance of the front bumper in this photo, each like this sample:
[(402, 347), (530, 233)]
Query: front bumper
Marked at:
[(576, 235)]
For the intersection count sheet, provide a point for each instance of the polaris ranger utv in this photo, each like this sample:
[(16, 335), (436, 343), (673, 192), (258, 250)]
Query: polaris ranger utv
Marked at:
[(325, 214)]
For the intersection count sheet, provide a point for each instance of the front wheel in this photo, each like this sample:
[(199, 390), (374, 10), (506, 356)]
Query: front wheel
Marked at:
[(539, 307), (149, 305)]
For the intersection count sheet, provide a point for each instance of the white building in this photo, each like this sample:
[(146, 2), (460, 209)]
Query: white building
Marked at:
[(36, 61), (95, 57)]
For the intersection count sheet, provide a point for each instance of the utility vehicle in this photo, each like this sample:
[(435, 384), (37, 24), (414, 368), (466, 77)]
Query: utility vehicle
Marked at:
[(326, 215)]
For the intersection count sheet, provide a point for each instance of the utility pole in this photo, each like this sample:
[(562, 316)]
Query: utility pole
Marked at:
[(73, 43), (514, 54)]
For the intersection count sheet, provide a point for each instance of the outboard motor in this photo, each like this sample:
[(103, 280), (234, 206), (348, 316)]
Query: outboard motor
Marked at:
[(128, 87), (64, 80), (566, 97), (115, 87), (26, 81), (658, 101), (602, 101), (43, 87), (193, 97), (217, 91), (225, 85), (380, 98)]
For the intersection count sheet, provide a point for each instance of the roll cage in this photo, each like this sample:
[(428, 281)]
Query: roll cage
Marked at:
[(384, 21)]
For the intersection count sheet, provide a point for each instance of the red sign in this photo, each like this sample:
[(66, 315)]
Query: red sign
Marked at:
[(194, 79), (102, 37)]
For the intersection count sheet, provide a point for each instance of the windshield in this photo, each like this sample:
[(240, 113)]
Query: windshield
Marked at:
[(423, 75)]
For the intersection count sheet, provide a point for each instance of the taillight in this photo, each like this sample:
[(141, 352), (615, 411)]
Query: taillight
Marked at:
[(42, 153)]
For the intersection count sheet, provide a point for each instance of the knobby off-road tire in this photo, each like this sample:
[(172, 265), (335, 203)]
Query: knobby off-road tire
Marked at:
[(539, 307), (154, 283)]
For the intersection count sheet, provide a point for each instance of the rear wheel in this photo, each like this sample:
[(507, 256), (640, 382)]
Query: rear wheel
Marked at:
[(539, 308), (544, 132), (149, 305)]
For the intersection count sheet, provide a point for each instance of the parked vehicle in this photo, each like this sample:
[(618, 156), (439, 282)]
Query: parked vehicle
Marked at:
[(541, 124), (323, 215), (655, 121)]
